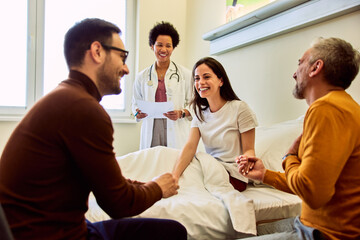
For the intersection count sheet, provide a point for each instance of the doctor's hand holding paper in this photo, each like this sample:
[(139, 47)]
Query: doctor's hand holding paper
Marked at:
[(153, 109), (139, 114), (163, 82), (172, 115)]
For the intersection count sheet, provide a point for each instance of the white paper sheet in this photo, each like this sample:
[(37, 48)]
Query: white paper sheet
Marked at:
[(155, 109)]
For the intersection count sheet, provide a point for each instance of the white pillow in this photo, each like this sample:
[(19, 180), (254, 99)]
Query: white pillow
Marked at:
[(271, 143)]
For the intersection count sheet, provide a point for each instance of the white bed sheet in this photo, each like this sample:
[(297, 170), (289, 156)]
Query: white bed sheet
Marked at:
[(207, 205), (272, 204)]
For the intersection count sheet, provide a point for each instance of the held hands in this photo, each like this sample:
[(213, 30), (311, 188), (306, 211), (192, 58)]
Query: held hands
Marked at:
[(173, 115), (168, 184), (251, 167), (176, 179)]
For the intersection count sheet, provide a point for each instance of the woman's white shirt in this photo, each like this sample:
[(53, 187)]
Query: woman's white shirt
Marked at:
[(221, 132)]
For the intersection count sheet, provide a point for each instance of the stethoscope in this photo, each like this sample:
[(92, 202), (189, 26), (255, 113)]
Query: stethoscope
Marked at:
[(150, 82)]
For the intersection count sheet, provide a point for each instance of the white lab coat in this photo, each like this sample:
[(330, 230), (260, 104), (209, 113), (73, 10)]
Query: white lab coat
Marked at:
[(179, 92)]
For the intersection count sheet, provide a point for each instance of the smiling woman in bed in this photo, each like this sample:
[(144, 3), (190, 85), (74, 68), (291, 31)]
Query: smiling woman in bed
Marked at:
[(224, 122)]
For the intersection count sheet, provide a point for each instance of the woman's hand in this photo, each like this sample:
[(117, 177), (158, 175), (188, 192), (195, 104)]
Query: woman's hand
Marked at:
[(251, 167), (245, 164)]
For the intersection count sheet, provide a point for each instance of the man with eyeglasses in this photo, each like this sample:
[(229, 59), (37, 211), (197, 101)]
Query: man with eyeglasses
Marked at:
[(123, 56), (62, 150)]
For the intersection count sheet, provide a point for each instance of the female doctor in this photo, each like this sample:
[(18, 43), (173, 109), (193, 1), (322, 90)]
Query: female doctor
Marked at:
[(161, 82)]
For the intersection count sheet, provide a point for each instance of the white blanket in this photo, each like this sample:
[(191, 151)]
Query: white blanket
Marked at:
[(207, 204), (216, 181)]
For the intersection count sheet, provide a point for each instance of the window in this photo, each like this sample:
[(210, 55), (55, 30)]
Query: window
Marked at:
[(35, 64), (13, 22), (239, 8)]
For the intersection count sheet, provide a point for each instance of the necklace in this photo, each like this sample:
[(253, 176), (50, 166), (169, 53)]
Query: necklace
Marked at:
[(161, 74), (161, 71)]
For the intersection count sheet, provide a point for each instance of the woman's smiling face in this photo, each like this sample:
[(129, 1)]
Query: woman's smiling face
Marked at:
[(207, 84), (163, 48)]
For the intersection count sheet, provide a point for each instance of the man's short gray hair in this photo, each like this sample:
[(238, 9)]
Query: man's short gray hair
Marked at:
[(341, 60)]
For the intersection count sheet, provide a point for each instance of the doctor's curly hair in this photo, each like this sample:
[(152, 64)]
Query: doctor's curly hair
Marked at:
[(164, 28)]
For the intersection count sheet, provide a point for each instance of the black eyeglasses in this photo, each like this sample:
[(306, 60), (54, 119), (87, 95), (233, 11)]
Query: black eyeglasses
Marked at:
[(126, 53)]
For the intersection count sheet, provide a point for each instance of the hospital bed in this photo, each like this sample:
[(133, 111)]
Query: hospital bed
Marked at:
[(207, 205)]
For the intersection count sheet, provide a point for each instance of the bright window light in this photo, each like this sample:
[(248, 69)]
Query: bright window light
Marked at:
[(239, 8), (13, 42), (59, 17)]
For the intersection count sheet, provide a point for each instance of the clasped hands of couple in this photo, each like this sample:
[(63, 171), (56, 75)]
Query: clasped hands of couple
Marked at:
[(249, 166), (253, 167)]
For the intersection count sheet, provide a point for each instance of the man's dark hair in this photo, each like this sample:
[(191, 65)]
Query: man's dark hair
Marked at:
[(79, 38)]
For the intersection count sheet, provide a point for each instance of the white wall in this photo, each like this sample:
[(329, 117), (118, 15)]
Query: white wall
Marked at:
[(261, 74), (202, 16), (6, 129), (152, 12)]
